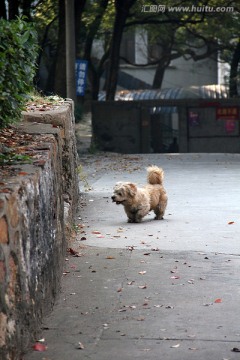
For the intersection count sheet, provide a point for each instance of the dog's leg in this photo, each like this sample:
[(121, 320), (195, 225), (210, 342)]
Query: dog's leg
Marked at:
[(131, 215), (138, 218), (158, 212), (134, 217), (141, 212), (160, 209)]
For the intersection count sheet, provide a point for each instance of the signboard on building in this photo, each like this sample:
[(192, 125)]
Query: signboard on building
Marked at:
[(81, 76), (227, 113), (230, 114)]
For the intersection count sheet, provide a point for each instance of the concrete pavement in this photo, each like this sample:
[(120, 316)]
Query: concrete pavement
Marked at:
[(160, 289)]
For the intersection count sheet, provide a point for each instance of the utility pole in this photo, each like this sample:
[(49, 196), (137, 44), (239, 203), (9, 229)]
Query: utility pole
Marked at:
[(70, 50)]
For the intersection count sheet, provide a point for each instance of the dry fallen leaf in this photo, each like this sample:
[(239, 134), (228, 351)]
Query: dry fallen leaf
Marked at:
[(142, 287), (80, 346), (131, 248), (131, 282), (39, 347), (74, 252), (110, 257), (230, 222)]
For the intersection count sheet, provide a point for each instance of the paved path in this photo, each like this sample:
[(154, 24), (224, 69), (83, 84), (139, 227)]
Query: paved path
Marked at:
[(160, 289)]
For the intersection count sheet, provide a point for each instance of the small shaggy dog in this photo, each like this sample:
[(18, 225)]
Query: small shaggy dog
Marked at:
[(138, 202)]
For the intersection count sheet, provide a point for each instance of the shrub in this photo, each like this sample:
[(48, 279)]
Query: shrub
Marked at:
[(18, 53)]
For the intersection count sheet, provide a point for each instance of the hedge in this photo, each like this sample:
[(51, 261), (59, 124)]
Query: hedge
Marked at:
[(18, 54)]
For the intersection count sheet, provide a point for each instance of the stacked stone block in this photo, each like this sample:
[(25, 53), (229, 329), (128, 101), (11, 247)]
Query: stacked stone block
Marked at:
[(34, 228)]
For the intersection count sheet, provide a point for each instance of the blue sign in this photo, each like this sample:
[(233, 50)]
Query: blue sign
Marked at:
[(81, 75)]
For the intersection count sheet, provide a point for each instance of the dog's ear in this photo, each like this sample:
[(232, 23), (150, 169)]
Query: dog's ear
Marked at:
[(132, 189)]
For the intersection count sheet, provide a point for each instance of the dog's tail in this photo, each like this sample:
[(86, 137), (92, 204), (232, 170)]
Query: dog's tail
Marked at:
[(155, 175)]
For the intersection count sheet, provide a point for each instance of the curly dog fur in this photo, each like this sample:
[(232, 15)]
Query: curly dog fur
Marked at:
[(138, 202)]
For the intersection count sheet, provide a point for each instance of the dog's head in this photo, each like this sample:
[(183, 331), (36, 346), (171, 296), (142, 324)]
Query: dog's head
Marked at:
[(123, 192)]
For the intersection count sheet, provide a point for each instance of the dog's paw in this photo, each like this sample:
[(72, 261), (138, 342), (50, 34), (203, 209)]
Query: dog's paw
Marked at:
[(158, 218)]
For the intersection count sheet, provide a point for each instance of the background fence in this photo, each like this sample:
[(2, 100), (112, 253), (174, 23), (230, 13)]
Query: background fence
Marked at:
[(161, 126)]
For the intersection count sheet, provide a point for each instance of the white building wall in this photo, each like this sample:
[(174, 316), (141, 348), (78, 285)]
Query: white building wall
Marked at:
[(180, 73), (188, 72), (141, 47)]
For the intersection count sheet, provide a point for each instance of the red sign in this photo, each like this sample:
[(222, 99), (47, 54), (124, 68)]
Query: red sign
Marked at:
[(227, 113)]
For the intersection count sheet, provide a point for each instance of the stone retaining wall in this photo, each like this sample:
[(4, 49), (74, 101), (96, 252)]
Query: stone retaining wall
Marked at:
[(37, 205)]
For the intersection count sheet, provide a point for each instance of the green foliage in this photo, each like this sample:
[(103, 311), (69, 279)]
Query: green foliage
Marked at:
[(12, 158), (18, 52), (45, 19)]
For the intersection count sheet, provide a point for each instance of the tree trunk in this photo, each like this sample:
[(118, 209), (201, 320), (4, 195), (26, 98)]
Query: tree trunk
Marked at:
[(26, 8), (94, 71), (60, 69), (3, 10), (79, 8), (122, 11), (158, 77), (161, 67), (233, 83), (13, 9), (70, 50), (95, 85)]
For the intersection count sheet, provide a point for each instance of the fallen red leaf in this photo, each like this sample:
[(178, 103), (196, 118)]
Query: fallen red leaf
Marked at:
[(73, 252), (218, 301), (39, 347)]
